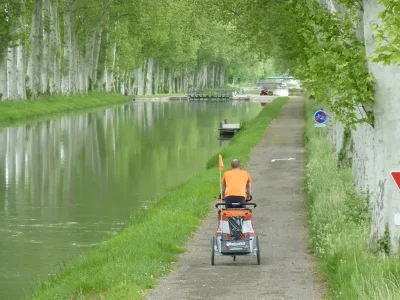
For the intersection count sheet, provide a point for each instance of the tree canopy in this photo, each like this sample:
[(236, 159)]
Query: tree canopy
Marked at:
[(115, 45), (171, 45)]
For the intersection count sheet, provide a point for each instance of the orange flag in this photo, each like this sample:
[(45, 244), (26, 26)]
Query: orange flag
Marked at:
[(221, 163)]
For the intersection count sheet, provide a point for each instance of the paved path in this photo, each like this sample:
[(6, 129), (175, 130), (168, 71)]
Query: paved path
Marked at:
[(286, 270)]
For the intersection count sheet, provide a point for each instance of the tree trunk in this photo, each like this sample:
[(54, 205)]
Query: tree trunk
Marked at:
[(170, 85), (222, 76), (179, 83), (130, 84), (162, 81), (92, 54), (35, 60), (82, 75), (149, 76), (139, 80), (195, 78), (21, 53), (212, 76), (74, 63), (216, 78), (114, 59), (12, 92), (21, 92), (103, 67), (191, 80), (123, 84), (66, 72), (116, 83), (184, 80), (96, 53), (156, 78), (47, 57), (89, 48), (3, 72), (203, 77), (55, 80)]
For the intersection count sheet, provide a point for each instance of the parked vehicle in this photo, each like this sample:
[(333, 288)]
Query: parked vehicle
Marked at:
[(266, 92)]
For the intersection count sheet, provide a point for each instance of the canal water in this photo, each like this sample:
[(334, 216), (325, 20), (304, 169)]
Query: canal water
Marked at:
[(69, 183)]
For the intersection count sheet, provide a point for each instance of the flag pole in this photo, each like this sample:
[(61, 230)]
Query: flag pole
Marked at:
[(220, 183), (221, 166)]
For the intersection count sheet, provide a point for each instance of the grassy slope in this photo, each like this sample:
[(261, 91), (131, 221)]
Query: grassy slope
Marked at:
[(340, 225), (17, 111), (124, 266)]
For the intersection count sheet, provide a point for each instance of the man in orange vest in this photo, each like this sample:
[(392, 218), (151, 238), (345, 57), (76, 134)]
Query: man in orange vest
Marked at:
[(236, 185)]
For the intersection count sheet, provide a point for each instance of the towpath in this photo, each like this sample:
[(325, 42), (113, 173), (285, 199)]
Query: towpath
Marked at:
[(286, 270)]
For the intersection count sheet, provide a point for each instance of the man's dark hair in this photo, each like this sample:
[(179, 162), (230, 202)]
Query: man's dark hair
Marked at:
[(235, 164)]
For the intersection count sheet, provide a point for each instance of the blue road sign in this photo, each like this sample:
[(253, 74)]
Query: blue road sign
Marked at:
[(320, 117)]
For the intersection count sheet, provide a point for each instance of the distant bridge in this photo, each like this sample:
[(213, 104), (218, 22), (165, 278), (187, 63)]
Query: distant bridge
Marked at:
[(281, 78), (274, 82)]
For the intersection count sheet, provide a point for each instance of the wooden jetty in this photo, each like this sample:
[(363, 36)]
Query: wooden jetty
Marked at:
[(226, 129), (194, 95)]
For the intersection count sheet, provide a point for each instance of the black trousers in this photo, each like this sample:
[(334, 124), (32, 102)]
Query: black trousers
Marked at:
[(235, 199)]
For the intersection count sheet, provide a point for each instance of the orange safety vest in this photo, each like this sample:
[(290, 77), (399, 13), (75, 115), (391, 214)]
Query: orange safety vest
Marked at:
[(235, 181)]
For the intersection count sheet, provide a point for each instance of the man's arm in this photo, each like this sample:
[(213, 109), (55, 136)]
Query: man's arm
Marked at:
[(223, 186), (248, 187)]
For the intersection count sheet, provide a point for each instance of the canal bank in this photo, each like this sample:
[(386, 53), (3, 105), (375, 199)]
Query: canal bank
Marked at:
[(129, 263), (20, 112)]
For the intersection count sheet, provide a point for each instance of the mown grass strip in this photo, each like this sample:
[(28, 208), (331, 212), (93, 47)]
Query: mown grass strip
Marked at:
[(126, 265), (339, 224), (19, 111)]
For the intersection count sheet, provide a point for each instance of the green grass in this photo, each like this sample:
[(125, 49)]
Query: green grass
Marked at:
[(128, 264), (12, 112), (339, 224)]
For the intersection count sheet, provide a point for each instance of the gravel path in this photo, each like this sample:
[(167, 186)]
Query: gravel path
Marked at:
[(286, 270)]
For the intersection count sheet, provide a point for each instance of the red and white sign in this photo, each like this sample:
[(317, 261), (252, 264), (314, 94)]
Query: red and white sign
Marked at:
[(396, 178)]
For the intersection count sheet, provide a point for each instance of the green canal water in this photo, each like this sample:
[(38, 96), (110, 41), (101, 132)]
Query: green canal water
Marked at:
[(69, 183)]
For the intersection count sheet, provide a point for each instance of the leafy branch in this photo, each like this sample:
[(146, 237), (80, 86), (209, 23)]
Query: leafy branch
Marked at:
[(334, 68), (387, 38)]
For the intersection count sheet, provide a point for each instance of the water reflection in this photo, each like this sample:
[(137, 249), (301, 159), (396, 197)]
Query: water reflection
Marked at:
[(69, 183)]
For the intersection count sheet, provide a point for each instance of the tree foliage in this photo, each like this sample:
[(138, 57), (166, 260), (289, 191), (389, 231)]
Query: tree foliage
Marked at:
[(84, 45), (387, 39), (313, 42)]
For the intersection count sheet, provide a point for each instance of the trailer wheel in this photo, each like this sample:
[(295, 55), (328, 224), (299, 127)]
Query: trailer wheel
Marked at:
[(258, 251)]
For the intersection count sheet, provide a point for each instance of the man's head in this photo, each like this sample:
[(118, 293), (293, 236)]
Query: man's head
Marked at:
[(235, 164)]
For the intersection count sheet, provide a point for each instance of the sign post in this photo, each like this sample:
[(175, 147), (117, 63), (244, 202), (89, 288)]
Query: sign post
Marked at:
[(320, 119)]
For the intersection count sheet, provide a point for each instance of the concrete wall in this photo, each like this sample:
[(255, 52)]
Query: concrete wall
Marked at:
[(377, 150), (283, 92)]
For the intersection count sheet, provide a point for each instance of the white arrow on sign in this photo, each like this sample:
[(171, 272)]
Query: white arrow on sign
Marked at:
[(275, 159)]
